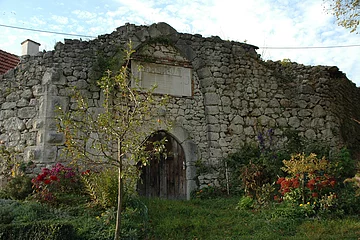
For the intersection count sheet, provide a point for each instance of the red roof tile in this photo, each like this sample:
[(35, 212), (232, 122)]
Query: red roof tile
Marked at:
[(7, 61)]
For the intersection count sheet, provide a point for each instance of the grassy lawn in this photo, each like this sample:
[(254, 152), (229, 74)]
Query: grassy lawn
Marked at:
[(219, 219), (195, 219)]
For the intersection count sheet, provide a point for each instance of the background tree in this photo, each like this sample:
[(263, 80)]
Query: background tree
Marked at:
[(347, 13), (113, 136)]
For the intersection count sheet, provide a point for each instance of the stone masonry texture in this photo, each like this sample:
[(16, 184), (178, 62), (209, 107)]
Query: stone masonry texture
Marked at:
[(235, 94)]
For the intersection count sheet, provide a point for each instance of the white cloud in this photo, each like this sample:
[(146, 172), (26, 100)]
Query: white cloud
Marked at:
[(84, 14), (36, 21), (60, 19)]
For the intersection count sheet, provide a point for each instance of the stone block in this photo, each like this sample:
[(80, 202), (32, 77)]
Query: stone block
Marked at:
[(8, 105), (12, 97), (318, 112), (263, 120), (212, 110), (37, 90), (14, 123), (50, 154), (204, 73), (294, 122), (304, 113), (54, 75), (211, 99), (214, 128), (225, 101), (26, 112), (32, 154), (274, 103), (22, 103), (213, 136), (236, 129), (55, 103), (282, 122), (212, 120), (249, 131), (302, 104), (55, 138), (310, 134), (5, 114), (237, 120), (80, 84), (207, 82), (317, 123)]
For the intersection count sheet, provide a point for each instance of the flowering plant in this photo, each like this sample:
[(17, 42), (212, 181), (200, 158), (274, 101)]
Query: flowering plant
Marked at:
[(307, 182), (52, 182)]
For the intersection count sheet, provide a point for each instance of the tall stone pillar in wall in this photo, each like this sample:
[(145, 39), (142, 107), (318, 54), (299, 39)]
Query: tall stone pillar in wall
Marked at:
[(48, 139)]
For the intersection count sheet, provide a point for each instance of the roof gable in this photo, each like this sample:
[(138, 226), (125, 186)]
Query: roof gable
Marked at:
[(7, 61)]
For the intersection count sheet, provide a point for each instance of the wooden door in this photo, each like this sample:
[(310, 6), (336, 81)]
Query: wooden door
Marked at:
[(164, 177)]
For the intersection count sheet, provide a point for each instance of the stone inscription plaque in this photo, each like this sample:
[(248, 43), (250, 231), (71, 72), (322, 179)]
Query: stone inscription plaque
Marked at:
[(172, 80)]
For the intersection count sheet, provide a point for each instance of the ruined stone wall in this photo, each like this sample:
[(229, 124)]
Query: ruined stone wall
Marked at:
[(235, 95)]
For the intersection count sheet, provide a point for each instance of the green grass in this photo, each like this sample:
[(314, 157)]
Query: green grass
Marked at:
[(218, 219), (196, 219)]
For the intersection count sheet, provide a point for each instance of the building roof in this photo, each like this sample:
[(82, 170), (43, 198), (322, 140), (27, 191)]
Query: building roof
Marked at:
[(7, 61)]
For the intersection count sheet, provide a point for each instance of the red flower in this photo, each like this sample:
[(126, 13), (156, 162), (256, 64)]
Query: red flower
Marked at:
[(315, 194), (47, 181), (53, 178), (311, 184), (325, 183), (40, 177), (332, 183), (285, 184), (280, 180), (87, 172), (312, 181), (285, 190), (277, 198), (295, 183)]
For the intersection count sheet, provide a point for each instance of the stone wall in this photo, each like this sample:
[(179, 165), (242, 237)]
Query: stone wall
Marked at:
[(235, 94)]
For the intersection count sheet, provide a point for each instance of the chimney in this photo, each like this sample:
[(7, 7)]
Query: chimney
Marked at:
[(29, 47)]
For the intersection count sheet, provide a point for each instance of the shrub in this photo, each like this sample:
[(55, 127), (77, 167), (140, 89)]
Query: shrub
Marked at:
[(6, 212), (308, 183), (18, 187), (52, 183), (348, 199), (342, 163), (235, 163), (245, 203), (37, 231), (102, 187), (254, 164), (22, 212), (254, 176)]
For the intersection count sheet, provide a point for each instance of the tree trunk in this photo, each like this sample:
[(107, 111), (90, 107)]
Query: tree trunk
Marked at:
[(120, 196)]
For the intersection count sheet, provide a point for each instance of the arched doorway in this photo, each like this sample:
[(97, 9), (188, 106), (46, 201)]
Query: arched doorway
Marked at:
[(164, 177)]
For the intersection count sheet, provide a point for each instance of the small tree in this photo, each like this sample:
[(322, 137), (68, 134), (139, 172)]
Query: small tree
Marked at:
[(115, 134), (347, 13)]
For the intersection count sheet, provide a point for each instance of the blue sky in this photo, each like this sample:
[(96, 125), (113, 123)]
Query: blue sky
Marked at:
[(264, 23)]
